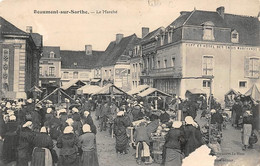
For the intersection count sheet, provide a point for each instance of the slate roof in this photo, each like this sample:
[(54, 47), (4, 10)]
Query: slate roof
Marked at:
[(180, 20), (198, 17), (69, 58), (9, 29), (37, 39), (248, 27), (114, 51), (47, 49)]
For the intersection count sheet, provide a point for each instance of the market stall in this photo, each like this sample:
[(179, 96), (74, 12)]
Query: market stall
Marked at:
[(157, 96), (230, 98), (71, 87)]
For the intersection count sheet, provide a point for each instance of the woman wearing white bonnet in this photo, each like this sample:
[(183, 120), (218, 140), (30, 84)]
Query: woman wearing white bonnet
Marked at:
[(25, 141), (43, 153), (10, 140), (120, 113), (87, 142), (174, 145), (12, 118), (28, 124), (193, 136), (69, 121), (67, 143)]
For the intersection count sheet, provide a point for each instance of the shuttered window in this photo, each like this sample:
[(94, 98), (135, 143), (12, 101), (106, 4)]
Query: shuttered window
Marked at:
[(252, 67)]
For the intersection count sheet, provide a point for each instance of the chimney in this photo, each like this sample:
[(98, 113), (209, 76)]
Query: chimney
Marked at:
[(119, 37), (29, 29), (145, 31), (88, 49), (221, 11), (184, 12)]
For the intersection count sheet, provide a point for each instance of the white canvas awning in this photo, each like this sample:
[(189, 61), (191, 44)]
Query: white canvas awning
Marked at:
[(71, 83), (151, 91), (138, 89), (89, 89)]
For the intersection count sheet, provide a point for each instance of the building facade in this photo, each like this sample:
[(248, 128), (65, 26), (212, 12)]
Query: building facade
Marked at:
[(79, 65), (203, 44), (50, 67), (114, 65), (19, 58)]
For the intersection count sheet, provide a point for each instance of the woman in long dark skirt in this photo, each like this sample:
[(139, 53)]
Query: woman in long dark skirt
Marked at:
[(25, 146), (121, 122), (173, 145), (43, 153), (194, 140), (10, 140), (87, 143), (68, 144)]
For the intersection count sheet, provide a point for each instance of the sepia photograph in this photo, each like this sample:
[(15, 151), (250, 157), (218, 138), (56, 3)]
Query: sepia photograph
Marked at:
[(129, 82)]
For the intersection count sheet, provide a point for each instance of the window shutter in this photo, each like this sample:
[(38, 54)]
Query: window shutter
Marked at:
[(246, 67)]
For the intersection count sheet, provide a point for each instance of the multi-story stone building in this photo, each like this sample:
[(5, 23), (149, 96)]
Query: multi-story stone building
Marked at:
[(19, 58), (79, 65), (50, 67), (114, 65), (202, 44)]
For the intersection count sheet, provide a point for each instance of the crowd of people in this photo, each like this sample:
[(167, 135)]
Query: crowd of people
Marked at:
[(39, 133)]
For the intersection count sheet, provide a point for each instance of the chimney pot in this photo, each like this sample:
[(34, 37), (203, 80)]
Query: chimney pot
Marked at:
[(29, 29), (221, 11), (145, 31), (119, 37), (88, 49)]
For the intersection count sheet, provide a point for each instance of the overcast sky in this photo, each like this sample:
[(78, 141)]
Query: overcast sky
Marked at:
[(74, 31)]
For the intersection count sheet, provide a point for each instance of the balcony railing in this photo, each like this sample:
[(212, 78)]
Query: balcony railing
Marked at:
[(47, 76), (162, 72)]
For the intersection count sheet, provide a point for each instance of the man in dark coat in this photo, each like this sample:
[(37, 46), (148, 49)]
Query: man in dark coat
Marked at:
[(105, 109)]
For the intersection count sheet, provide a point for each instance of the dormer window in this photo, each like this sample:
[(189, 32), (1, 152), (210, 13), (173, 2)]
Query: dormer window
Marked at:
[(162, 39), (52, 54), (208, 31), (75, 63), (234, 36)]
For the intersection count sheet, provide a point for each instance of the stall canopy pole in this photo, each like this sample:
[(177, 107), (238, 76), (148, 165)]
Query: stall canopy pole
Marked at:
[(48, 95)]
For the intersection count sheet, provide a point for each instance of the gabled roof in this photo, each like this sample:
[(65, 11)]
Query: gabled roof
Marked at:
[(114, 51), (79, 60), (47, 49), (9, 29), (37, 39)]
